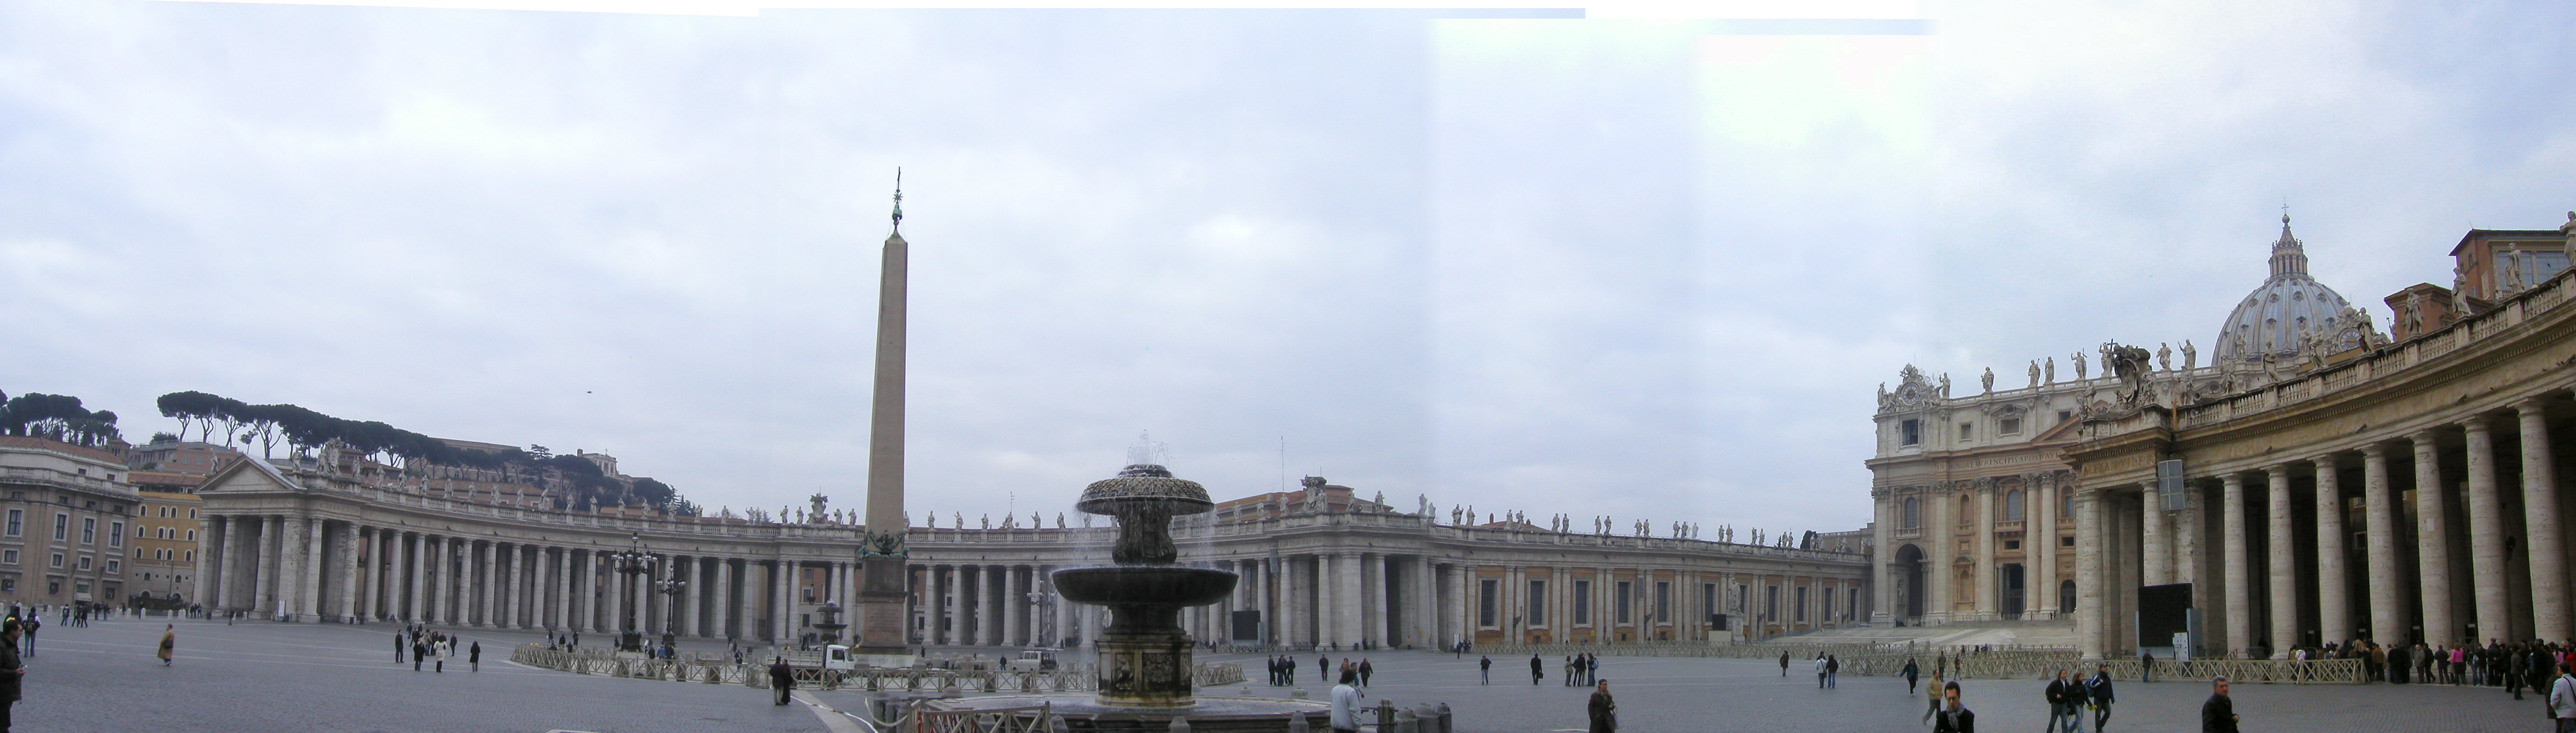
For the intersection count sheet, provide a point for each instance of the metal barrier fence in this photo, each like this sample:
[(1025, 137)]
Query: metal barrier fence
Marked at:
[(2031, 667), (1684, 649), (725, 672)]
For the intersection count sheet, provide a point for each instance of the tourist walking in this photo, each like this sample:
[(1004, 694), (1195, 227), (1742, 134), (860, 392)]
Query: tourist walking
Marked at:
[(1485, 670), (2098, 692), (34, 621), (11, 670), (1346, 705), (1365, 670), (399, 641), (1323, 668), (1833, 671), (437, 660), (419, 650), (1953, 717), (2065, 697), (1538, 669), (1570, 675), (2562, 700), (1910, 672), (1602, 710), (1784, 664), (1820, 671), (782, 680), (474, 656), (2218, 715), (1591, 667), (169, 642), (1932, 702), (2146, 666)]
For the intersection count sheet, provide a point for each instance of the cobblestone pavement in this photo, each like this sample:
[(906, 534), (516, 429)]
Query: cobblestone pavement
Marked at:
[(257, 676)]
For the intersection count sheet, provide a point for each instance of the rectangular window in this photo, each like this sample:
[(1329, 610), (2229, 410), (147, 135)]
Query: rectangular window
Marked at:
[(58, 560), (1582, 602), (112, 565), (62, 526), (1802, 604), (1707, 598), (1538, 603), (1967, 430), (2066, 541), (89, 530), (2008, 544), (1663, 602), (1911, 432), (1829, 604), (8, 557), (116, 534), (84, 562), (1485, 603), (1771, 602), (2011, 426), (1620, 594), (16, 517), (9, 584)]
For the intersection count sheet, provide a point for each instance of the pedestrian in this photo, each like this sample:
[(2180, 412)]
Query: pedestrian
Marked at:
[(1910, 672), (169, 642), (437, 661), (1932, 702), (34, 621), (1288, 674), (1323, 668), (2218, 715), (1953, 717), (1485, 670), (1346, 705), (1820, 671), (419, 650), (1538, 669), (1602, 710), (1833, 671), (1365, 670), (782, 680), (2146, 666), (2066, 697), (1591, 667), (2562, 700), (474, 656), (11, 669), (1568, 669), (1784, 664), (398, 648), (2098, 692)]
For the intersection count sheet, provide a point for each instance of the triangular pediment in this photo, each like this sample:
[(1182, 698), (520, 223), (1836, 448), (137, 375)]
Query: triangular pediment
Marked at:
[(244, 476)]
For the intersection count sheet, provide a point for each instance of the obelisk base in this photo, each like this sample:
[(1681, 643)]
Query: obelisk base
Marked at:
[(883, 610)]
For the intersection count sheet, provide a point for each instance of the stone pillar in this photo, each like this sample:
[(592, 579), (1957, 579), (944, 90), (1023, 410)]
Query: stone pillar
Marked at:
[(2190, 565), (487, 554), (2486, 534), (1940, 556), (1015, 593), (1352, 595), (2283, 606), (689, 573), (2155, 531), (370, 596), (2387, 615), (210, 564), (1986, 587), (1328, 613), (554, 574), (2088, 572), (265, 603), (2239, 582), (1885, 515), (720, 622), (785, 616), (2540, 518), (1286, 627), (1372, 600), (352, 574), (2039, 511), (2334, 603), (586, 592), (2432, 544)]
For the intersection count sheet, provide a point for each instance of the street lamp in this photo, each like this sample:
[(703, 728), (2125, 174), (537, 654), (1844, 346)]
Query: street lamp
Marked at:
[(1043, 598), (635, 564)]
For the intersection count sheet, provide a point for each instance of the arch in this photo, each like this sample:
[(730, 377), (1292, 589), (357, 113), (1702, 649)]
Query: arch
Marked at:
[(2012, 505), (2066, 596), (1908, 565)]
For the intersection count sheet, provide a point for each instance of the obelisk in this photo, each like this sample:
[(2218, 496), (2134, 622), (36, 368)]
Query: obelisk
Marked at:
[(883, 597)]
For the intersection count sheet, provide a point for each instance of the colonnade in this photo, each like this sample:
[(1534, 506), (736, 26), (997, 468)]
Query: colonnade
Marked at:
[(310, 568), (2437, 533)]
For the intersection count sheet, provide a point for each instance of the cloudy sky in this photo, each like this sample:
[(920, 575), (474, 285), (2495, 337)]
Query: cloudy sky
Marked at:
[(1540, 260)]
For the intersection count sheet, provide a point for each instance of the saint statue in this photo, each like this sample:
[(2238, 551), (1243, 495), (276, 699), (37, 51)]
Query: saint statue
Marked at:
[(2079, 360), (2164, 357), (2190, 356), (1059, 520), (2051, 366), (2034, 374), (1988, 379), (959, 519)]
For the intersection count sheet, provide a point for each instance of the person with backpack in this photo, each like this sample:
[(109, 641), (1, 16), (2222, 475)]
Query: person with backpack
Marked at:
[(2098, 691)]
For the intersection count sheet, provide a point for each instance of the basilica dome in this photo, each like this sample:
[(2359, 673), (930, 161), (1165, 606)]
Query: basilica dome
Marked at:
[(2286, 312)]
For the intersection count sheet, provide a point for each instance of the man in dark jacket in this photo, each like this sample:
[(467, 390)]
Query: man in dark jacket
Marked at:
[(474, 656), (10, 670), (2218, 715), (782, 679), (1954, 717), (2063, 696), (1538, 669), (2098, 691), (1603, 711)]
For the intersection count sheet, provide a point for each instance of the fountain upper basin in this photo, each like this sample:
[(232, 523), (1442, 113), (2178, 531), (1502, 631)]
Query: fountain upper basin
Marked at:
[(1144, 585)]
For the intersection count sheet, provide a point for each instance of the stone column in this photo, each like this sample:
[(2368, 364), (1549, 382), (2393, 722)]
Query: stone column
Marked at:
[(2088, 572), (2284, 603), (1328, 614), (1015, 593), (786, 613), (586, 592), (554, 573), (371, 573), (1285, 627), (1352, 596), (2239, 584), (2155, 531), (1372, 600), (1986, 587), (2541, 525), (988, 605), (2432, 544), (1884, 514), (269, 548), (488, 553), (2039, 511), (2387, 615), (210, 564), (2189, 564), (2334, 604), (411, 577), (722, 605), (352, 574), (1940, 557), (2486, 534), (690, 573)]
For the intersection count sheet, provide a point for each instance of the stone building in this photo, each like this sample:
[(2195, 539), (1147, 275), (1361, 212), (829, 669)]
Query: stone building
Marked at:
[(335, 539), (64, 510), (2318, 482)]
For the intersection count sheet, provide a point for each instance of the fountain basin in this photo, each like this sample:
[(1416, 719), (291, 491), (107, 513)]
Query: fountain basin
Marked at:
[(1143, 586), (1208, 715)]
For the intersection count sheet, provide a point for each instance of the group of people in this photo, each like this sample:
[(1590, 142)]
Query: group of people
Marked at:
[(1829, 670), (1283, 669), (1580, 669), (433, 647), (2515, 666)]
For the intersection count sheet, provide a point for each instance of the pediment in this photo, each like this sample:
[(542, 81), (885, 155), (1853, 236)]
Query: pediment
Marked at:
[(246, 476)]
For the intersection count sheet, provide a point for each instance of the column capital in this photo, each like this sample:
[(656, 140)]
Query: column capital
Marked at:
[(2529, 403), (2476, 423), (2374, 450), (2423, 435)]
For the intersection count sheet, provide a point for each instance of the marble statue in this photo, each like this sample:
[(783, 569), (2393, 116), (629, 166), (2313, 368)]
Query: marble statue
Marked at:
[(2052, 370), (1380, 499), (1945, 384), (1059, 520), (1086, 521), (1989, 379), (2079, 361), (2164, 357), (2034, 374), (987, 520), (1011, 520), (818, 500), (934, 520), (2190, 356), (960, 519)]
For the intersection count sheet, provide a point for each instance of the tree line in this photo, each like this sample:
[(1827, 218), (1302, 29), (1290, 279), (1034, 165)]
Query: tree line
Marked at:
[(218, 419), (57, 417)]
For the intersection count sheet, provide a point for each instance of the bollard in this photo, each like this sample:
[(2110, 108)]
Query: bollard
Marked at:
[(1406, 723), (1297, 723), (1448, 724), (1385, 715), (1180, 724)]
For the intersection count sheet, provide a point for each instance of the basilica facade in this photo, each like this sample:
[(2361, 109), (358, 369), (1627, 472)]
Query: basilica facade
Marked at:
[(2319, 481)]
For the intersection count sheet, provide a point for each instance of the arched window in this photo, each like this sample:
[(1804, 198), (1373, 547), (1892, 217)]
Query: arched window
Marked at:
[(1913, 513), (1967, 511), (2012, 505)]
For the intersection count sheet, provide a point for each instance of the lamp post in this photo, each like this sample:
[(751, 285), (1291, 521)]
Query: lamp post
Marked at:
[(670, 588), (1042, 598), (635, 564)]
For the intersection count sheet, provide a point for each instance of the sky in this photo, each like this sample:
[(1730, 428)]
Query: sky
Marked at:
[(1547, 260)]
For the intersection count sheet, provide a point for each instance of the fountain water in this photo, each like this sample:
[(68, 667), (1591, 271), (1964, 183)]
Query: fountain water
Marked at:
[(1144, 656)]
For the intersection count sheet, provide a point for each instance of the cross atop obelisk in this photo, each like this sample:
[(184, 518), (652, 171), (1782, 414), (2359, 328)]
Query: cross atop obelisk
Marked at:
[(882, 595)]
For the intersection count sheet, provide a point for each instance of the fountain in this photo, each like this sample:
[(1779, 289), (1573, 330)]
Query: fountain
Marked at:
[(1146, 674), (1144, 656)]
